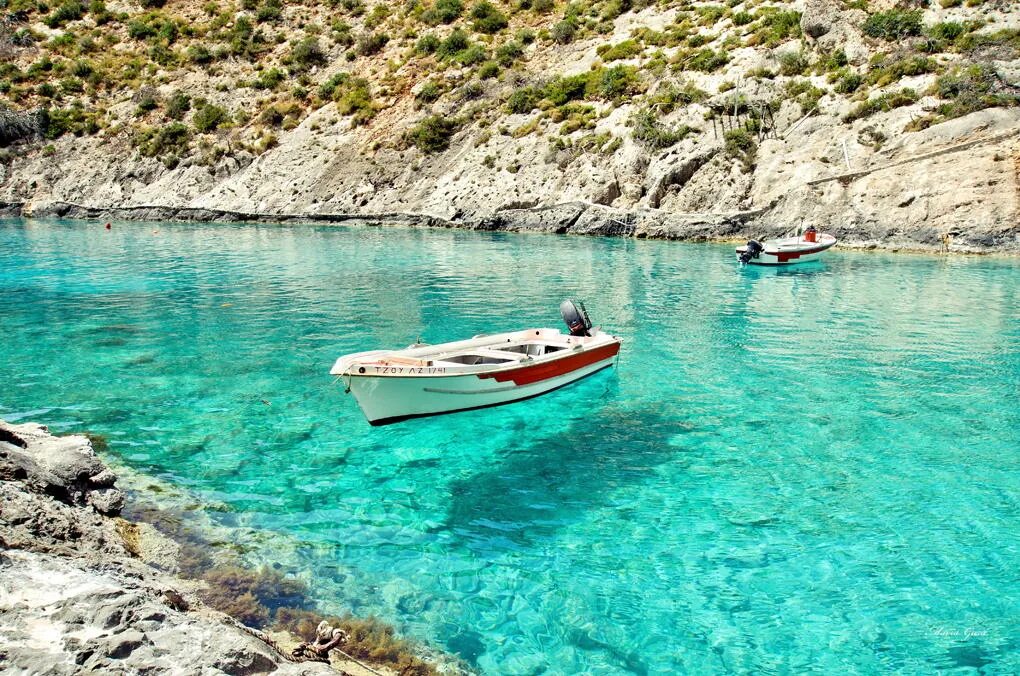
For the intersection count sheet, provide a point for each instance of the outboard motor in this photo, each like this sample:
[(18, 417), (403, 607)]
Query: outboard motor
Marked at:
[(753, 250), (576, 318)]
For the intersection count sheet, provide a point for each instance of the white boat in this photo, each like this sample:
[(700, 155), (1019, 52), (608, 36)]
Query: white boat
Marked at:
[(802, 248), (487, 370)]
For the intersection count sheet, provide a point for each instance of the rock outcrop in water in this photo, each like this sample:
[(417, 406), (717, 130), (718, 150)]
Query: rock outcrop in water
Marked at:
[(891, 124), (84, 591)]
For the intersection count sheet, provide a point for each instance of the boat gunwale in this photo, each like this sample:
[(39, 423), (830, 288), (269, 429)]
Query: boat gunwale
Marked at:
[(500, 369)]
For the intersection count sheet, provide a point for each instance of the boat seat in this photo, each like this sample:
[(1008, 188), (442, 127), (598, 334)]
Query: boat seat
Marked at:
[(499, 354), (406, 361)]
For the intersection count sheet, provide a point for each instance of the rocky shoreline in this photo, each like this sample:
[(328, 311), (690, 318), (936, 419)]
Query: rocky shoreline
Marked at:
[(571, 218), (83, 590)]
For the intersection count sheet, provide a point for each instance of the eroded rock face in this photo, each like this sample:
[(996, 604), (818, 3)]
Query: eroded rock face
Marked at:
[(77, 592), (65, 468), (58, 618), (819, 16)]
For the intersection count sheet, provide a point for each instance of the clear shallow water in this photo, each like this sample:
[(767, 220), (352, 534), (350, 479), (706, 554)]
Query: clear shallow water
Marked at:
[(815, 468)]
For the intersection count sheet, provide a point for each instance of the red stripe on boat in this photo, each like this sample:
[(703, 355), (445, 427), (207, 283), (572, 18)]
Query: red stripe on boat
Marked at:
[(533, 374), (784, 256)]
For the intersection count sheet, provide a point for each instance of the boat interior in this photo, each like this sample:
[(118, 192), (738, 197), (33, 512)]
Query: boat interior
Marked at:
[(482, 351)]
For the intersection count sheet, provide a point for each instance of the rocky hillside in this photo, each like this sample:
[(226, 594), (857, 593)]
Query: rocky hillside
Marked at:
[(889, 123)]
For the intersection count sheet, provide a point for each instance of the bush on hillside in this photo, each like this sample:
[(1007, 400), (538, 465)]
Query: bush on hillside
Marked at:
[(894, 24), (487, 19), (432, 134)]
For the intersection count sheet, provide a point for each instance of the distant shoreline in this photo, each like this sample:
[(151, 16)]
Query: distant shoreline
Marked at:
[(571, 218)]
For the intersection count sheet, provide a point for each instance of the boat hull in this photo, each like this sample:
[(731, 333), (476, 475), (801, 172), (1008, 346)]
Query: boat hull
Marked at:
[(798, 252), (390, 399)]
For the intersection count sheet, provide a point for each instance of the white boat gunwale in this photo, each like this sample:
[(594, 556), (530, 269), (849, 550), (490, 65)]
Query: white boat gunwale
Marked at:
[(568, 345)]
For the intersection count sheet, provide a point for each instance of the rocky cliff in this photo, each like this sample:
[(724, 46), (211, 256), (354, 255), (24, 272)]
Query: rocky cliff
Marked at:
[(891, 124), (85, 591)]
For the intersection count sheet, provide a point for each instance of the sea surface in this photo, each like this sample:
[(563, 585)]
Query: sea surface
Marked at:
[(814, 468)]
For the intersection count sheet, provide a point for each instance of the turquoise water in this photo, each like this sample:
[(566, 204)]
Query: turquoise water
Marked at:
[(807, 469)]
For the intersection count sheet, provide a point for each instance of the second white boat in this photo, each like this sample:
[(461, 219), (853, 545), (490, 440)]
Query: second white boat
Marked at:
[(787, 250)]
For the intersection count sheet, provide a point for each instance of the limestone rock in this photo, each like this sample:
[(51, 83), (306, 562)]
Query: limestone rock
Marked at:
[(76, 593), (818, 17)]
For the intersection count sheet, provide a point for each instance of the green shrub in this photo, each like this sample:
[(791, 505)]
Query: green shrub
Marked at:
[(170, 141), (564, 89), (523, 100), (970, 88), (486, 18), (100, 14), (342, 33), (740, 145), (710, 14), (894, 24), (834, 60), (178, 105), (162, 54), (353, 7), (372, 43), (707, 61), (443, 11), (429, 92), (488, 70), (775, 28), (947, 31), (455, 42), (611, 83), (427, 44), (305, 54), (1004, 43), (269, 10), (269, 79), (883, 72), (742, 18), (141, 28), (670, 97), (793, 63), (564, 31), (377, 16), (353, 97), (199, 53), (885, 102), (651, 133), (509, 52), (432, 134), (69, 10), (472, 55), (209, 117), (146, 101), (71, 85), (848, 82), (245, 40), (621, 50)]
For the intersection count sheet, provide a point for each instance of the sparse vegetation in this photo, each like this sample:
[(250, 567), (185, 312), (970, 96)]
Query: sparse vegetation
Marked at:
[(651, 133), (209, 117), (894, 24), (882, 103), (432, 135), (741, 146)]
